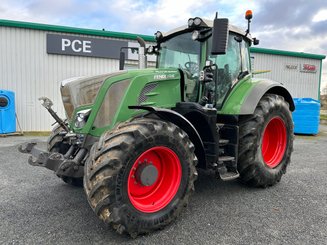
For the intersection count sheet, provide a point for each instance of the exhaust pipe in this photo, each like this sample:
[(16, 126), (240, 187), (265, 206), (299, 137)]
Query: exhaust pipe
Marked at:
[(142, 53)]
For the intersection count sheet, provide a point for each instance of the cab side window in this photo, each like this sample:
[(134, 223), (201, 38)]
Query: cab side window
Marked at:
[(230, 66)]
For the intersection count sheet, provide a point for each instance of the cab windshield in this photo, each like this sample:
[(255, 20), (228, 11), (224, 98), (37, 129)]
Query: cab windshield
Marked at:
[(184, 53)]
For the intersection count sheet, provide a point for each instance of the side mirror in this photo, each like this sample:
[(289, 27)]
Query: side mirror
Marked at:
[(219, 36), (255, 41), (121, 60)]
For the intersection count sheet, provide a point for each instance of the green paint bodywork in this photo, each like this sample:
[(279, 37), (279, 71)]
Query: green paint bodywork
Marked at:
[(234, 101), (246, 94), (165, 95)]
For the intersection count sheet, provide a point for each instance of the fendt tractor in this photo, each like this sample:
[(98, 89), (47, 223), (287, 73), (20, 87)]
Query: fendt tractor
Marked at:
[(135, 139)]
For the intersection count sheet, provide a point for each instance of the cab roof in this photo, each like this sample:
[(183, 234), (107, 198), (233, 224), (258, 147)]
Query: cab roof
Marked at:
[(209, 23)]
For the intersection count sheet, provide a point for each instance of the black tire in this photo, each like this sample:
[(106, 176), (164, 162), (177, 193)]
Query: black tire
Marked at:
[(56, 141), (253, 168), (109, 168), (56, 144)]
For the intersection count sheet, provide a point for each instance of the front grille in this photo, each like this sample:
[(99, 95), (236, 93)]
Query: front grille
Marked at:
[(147, 89)]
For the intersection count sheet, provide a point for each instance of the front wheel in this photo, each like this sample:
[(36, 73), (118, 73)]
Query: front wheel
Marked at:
[(140, 175), (266, 142)]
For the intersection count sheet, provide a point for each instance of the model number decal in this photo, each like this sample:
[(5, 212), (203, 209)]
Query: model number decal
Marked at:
[(163, 76)]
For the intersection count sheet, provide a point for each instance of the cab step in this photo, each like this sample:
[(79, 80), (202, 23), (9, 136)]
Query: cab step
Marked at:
[(223, 142), (226, 174), (224, 159), (227, 168)]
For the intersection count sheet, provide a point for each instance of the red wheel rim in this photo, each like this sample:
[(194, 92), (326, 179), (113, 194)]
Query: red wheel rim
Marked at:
[(274, 142), (158, 195)]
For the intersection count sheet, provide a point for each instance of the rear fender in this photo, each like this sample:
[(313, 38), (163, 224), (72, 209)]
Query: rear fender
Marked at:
[(245, 97)]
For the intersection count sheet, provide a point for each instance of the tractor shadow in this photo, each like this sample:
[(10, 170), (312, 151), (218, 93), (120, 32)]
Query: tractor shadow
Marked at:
[(57, 209), (209, 191), (209, 183)]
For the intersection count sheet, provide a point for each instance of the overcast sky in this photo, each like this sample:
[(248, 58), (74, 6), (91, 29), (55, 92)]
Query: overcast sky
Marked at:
[(294, 25)]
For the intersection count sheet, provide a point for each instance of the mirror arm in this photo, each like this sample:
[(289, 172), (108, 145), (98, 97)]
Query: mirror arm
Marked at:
[(248, 30)]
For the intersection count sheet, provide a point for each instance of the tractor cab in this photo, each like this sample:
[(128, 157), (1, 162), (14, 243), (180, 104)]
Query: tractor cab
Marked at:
[(212, 55)]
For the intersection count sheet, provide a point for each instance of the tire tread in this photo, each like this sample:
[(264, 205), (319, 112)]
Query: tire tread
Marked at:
[(104, 170), (250, 168)]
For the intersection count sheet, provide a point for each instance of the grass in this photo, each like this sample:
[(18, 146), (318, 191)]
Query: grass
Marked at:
[(323, 117)]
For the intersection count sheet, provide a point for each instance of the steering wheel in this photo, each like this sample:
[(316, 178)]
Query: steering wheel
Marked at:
[(192, 67)]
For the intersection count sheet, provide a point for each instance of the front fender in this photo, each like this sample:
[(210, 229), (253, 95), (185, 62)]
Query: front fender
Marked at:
[(246, 95), (182, 122)]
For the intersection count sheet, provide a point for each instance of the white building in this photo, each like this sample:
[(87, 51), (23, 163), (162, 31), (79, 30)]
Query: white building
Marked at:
[(299, 72), (36, 57)]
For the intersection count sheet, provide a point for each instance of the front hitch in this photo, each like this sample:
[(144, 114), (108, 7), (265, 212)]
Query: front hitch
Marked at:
[(62, 165)]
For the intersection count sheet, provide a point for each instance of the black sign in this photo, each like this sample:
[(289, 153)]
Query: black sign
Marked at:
[(84, 46)]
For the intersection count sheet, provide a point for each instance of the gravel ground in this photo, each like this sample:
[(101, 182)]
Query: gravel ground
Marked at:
[(38, 208)]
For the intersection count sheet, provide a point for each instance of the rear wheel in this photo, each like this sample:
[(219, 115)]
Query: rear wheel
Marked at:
[(266, 142), (140, 175), (56, 144)]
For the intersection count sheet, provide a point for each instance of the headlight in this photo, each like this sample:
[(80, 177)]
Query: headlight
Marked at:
[(81, 118), (197, 21), (190, 22)]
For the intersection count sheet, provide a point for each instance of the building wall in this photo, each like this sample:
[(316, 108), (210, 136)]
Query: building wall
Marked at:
[(286, 69), (27, 69)]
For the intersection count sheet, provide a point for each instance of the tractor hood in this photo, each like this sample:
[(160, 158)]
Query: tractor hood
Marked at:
[(80, 91), (107, 98), (83, 91)]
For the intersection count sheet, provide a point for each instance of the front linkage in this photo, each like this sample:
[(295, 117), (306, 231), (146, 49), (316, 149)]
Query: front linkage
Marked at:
[(64, 165)]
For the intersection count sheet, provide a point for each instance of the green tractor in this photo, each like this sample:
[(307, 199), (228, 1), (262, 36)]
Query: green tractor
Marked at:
[(135, 139)]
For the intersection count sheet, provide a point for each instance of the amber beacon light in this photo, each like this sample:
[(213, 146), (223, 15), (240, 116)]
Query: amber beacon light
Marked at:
[(248, 14)]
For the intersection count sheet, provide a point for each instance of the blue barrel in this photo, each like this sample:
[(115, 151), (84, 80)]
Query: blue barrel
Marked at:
[(306, 116), (7, 112)]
